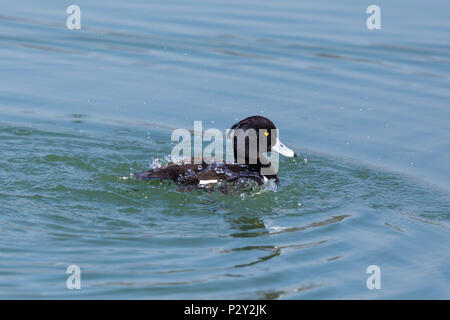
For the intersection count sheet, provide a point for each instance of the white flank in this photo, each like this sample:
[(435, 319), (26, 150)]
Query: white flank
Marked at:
[(207, 181)]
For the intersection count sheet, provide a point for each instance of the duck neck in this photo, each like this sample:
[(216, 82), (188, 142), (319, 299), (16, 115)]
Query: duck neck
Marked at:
[(264, 166)]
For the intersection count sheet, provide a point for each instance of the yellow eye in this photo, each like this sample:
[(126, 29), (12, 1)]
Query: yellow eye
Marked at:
[(266, 133)]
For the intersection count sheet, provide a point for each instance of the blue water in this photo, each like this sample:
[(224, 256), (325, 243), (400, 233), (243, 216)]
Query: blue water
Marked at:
[(82, 109)]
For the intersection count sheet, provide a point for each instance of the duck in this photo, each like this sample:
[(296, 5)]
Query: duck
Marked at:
[(249, 164)]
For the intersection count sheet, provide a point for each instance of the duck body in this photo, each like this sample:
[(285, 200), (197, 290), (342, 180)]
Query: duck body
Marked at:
[(248, 165), (202, 174)]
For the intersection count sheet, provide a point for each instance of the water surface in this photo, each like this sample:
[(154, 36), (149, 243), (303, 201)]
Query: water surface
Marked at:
[(81, 110)]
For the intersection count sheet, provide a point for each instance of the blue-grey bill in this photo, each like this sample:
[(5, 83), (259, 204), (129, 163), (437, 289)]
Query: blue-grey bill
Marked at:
[(282, 149)]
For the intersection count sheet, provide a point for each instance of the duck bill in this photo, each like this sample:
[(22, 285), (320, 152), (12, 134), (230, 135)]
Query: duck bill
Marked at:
[(282, 149)]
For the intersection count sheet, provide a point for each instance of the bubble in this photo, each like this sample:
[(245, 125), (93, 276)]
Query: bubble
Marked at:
[(156, 164), (218, 170), (271, 185)]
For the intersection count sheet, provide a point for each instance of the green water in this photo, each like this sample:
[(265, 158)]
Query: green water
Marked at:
[(366, 110), (67, 198)]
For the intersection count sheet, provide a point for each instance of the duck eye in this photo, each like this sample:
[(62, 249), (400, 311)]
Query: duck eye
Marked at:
[(266, 133)]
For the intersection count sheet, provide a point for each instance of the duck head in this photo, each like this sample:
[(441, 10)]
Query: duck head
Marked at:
[(253, 136)]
